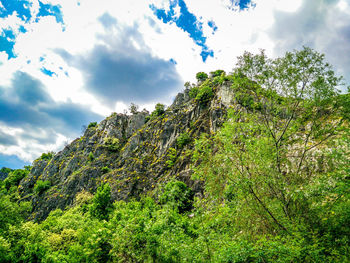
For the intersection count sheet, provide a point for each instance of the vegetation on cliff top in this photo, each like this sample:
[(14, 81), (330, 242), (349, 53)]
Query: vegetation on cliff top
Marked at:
[(275, 177)]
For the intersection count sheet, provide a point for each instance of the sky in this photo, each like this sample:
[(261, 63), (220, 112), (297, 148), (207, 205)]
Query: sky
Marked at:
[(65, 63)]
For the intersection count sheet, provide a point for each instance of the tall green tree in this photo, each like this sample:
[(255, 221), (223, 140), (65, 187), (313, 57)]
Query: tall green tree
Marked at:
[(273, 146)]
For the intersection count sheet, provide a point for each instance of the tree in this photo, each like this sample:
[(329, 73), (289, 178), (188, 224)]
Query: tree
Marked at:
[(201, 76), (92, 125), (14, 177), (159, 109), (298, 93), (217, 73), (133, 108), (101, 203), (178, 195), (270, 151), (47, 156)]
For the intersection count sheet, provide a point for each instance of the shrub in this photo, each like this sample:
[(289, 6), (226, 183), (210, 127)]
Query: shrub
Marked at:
[(28, 168), (217, 73), (14, 178), (178, 195), (4, 172), (41, 186), (105, 170), (171, 158), (47, 156), (160, 109), (245, 99), (92, 125), (112, 144), (193, 92), (91, 157), (183, 139), (204, 95), (187, 85), (201, 76), (133, 108)]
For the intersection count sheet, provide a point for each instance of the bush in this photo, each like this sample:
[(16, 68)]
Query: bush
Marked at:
[(47, 156), (41, 186), (193, 92), (105, 170), (217, 73), (204, 95), (4, 172), (112, 144), (92, 125), (160, 109), (178, 195), (14, 178), (183, 139), (133, 108), (172, 155), (91, 157), (201, 76)]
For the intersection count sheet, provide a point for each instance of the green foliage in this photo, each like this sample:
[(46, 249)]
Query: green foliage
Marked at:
[(204, 95), (27, 243), (105, 170), (47, 156), (5, 250), (201, 76), (183, 139), (133, 108), (14, 177), (217, 73), (91, 157), (276, 185), (159, 109), (112, 144), (41, 186), (278, 169), (101, 203), (193, 92), (158, 112), (11, 213), (178, 195), (172, 156), (28, 167), (4, 172), (92, 125)]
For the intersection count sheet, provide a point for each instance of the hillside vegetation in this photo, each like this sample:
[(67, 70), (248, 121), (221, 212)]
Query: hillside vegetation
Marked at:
[(250, 166)]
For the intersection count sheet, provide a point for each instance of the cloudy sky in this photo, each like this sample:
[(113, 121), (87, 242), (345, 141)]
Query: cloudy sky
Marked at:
[(65, 63)]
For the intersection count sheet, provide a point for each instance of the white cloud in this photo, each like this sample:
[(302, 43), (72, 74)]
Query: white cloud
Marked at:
[(274, 25), (29, 149)]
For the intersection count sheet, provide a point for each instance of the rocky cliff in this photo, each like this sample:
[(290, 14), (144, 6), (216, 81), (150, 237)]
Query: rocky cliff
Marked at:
[(133, 153)]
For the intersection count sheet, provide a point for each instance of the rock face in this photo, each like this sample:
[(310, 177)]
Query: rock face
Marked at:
[(130, 152)]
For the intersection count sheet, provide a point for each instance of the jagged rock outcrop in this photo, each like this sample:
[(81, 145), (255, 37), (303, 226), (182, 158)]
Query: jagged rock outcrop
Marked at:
[(130, 152)]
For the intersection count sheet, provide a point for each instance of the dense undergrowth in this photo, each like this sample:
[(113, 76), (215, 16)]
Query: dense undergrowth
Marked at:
[(276, 183)]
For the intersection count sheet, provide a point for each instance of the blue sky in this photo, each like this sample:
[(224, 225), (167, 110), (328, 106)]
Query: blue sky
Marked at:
[(65, 63), (23, 10), (187, 22)]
